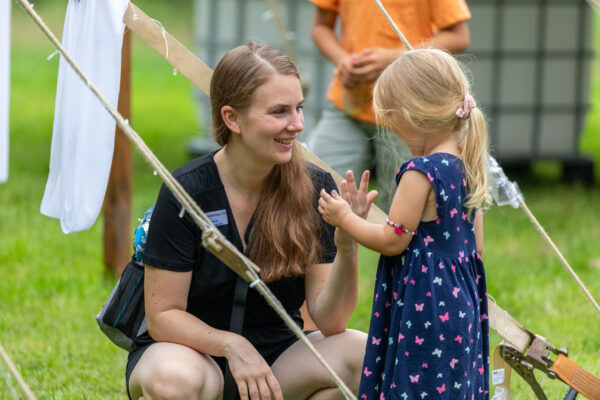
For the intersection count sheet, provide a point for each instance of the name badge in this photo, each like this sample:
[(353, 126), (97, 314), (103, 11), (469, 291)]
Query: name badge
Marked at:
[(218, 217)]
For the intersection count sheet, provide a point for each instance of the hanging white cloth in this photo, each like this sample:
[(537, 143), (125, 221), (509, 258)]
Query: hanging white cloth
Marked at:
[(83, 132), (4, 86)]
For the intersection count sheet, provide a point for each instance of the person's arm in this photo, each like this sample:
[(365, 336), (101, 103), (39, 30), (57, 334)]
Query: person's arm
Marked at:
[(407, 209), (454, 38), (370, 63), (332, 289), (165, 296), (324, 37), (478, 225)]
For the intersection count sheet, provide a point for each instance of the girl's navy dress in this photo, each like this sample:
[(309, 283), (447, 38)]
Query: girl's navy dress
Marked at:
[(428, 337)]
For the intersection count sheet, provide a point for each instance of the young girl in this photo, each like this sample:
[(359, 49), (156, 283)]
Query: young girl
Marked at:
[(428, 337)]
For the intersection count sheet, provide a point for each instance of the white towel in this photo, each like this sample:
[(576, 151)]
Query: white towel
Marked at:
[(83, 133), (4, 86)]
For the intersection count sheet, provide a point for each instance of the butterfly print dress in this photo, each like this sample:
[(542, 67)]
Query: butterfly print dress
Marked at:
[(428, 337)]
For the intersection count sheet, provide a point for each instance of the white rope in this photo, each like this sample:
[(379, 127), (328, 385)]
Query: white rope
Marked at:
[(184, 198), (521, 201), (13, 369)]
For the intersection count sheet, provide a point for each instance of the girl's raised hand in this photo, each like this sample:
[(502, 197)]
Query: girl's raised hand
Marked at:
[(333, 208)]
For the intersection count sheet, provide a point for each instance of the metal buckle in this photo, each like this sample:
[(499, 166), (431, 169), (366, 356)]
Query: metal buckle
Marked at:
[(538, 357)]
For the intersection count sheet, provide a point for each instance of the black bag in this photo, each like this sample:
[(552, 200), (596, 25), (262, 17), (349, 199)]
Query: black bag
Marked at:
[(122, 317)]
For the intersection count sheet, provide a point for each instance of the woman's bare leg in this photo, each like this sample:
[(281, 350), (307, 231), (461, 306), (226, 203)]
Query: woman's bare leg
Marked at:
[(301, 376), (173, 371)]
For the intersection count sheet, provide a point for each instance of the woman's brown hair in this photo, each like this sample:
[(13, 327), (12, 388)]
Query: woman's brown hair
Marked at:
[(286, 234)]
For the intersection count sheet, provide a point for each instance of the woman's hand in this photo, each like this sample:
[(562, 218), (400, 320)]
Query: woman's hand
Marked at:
[(251, 372), (360, 200)]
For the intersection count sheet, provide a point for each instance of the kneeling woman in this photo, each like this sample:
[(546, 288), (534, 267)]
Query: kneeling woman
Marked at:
[(263, 197)]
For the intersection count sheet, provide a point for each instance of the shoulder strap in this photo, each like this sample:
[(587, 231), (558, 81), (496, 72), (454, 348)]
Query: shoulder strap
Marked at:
[(237, 323)]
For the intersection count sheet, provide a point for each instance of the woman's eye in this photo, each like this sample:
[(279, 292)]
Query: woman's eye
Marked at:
[(300, 107)]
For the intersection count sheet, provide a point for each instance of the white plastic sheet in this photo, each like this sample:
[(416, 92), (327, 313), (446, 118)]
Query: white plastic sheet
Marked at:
[(4, 86), (503, 191), (83, 132)]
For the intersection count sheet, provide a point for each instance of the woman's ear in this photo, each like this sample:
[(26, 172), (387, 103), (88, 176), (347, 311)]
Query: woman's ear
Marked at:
[(231, 119)]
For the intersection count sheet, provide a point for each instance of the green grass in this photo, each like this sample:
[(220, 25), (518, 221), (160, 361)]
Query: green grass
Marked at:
[(51, 284)]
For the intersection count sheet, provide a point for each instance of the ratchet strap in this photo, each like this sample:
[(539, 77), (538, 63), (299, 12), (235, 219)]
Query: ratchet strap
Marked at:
[(525, 352)]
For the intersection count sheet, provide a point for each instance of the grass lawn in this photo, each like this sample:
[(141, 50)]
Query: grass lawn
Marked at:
[(52, 284)]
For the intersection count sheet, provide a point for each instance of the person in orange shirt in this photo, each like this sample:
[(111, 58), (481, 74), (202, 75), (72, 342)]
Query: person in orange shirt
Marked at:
[(346, 135)]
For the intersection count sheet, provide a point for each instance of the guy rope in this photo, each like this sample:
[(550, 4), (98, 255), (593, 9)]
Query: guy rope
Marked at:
[(521, 349)]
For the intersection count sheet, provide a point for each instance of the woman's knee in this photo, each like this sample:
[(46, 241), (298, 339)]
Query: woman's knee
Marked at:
[(171, 380)]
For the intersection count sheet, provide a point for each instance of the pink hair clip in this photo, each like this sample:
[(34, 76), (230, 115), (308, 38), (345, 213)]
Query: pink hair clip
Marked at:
[(465, 111)]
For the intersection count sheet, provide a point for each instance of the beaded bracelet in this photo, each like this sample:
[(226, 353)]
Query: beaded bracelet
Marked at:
[(399, 228)]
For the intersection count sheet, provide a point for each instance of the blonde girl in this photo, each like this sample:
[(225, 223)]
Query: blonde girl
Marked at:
[(429, 332)]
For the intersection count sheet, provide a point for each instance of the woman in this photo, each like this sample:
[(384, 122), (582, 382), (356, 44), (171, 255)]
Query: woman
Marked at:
[(263, 198)]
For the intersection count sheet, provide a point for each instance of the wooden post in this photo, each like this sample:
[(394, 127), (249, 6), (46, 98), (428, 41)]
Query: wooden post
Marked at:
[(117, 201)]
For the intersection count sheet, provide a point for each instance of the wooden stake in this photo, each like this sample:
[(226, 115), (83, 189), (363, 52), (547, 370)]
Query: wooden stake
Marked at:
[(117, 201)]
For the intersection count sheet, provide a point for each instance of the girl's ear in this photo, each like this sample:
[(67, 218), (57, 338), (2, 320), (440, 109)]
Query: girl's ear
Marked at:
[(231, 119)]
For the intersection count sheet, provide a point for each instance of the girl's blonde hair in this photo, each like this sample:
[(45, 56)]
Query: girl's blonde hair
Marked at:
[(286, 234), (424, 88)]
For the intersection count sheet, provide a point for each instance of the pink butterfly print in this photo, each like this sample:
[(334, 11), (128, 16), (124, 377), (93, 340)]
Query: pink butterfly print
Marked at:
[(458, 229), (406, 353), (453, 363), (455, 292), (427, 240), (424, 365), (441, 389), (444, 317), (400, 337), (393, 385), (437, 220), (381, 396), (442, 338), (484, 317), (464, 216), (458, 339), (477, 280), (419, 340), (430, 177), (364, 396), (428, 294), (470, 326), (466, 258), (387, 304), (414, 378), (424, 269), (385, 330), (375, 340), (480, 370), (461, 255), (367, 372), (452, 186), (419, 307), (453, 268), (376, 314), (412, 282), (410, 165), (395, 295), (453, 212)]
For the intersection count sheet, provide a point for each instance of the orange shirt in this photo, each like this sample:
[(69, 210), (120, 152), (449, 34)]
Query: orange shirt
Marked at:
[(364, 26)]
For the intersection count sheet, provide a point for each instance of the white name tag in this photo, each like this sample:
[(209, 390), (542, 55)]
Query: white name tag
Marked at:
[(218, 217), (497, 376)]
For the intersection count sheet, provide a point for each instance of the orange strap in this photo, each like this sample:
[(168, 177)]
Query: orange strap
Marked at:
[(576, 377)]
